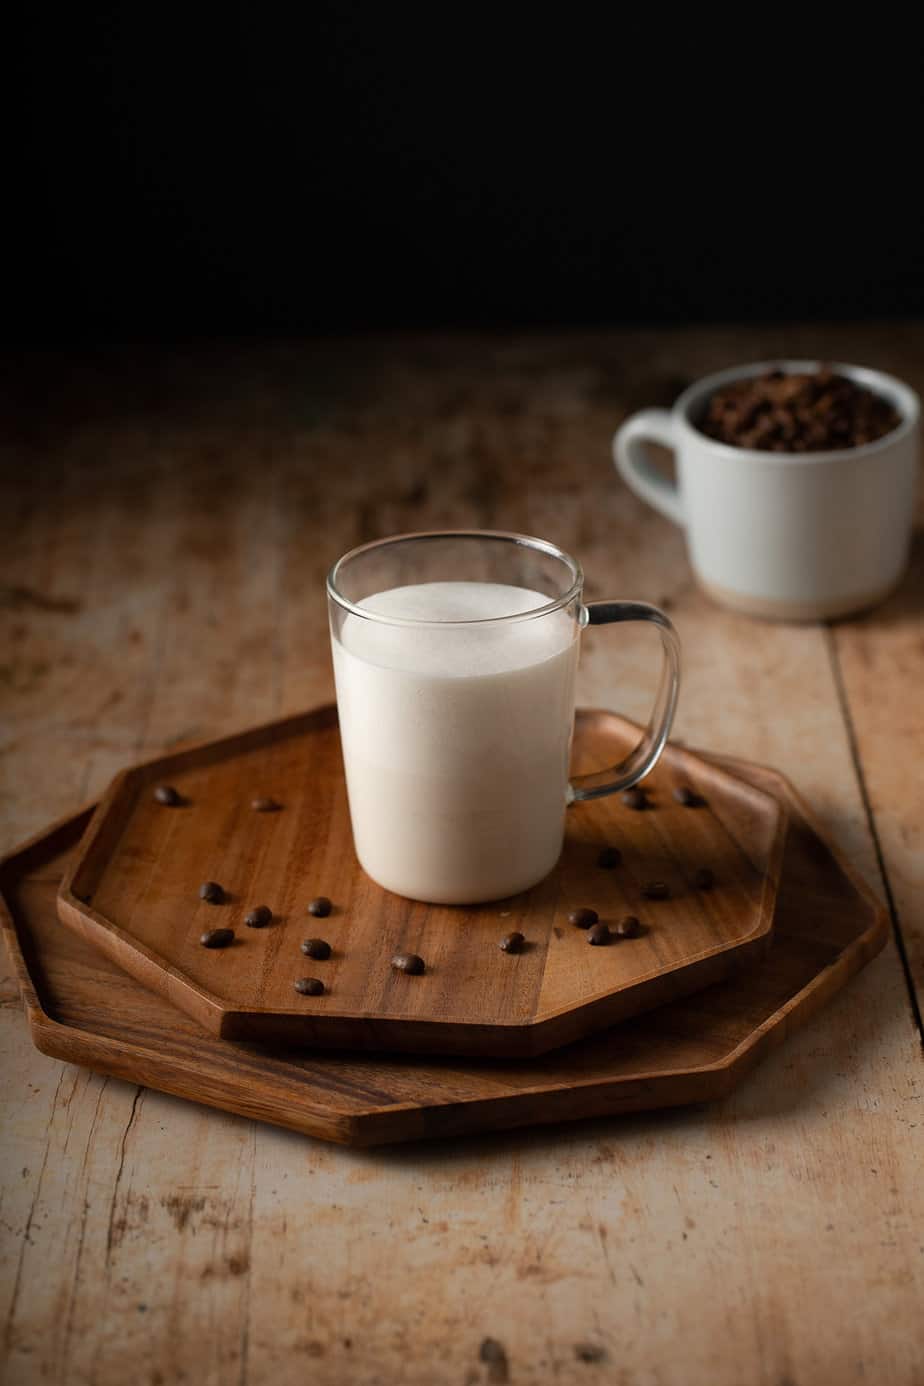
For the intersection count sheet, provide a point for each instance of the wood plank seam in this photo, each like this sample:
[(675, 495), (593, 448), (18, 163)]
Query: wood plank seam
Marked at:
[(17, 1283), (854, 748)]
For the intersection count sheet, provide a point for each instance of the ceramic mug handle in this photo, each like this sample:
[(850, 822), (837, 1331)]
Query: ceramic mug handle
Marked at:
[(644, 756), (648, 426)]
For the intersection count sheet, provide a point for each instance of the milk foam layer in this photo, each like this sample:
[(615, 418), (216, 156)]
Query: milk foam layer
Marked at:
[(456, 738)]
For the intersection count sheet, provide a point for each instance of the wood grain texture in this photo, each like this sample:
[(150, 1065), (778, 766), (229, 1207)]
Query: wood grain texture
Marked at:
[(879, 662), (774, 1236), (141, 865), (83, 1008)]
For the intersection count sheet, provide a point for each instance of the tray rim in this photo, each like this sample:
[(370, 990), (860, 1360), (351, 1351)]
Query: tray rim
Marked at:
[(526, 1038), (121, 1059)]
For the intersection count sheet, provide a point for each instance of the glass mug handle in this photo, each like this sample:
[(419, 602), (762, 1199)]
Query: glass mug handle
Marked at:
[(645, 755)]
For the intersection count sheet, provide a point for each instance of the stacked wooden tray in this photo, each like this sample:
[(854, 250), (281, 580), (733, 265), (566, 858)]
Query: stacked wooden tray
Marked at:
[(124, 986)]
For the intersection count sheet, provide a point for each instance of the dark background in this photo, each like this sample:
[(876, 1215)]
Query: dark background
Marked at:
[(237, 171)]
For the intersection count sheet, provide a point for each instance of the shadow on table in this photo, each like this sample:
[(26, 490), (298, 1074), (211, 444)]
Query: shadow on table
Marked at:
[(805, 1072)]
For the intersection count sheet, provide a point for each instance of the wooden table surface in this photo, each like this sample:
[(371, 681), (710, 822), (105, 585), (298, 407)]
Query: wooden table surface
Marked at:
[(168, 518)]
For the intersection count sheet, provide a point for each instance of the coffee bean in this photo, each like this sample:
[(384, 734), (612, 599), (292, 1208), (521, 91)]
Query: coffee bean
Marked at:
[(317, 948), (166, 794), (704, 878), (512, 943), (583, 918), (609, 857), (217, 938), (258, 918), (688, 797), (408, 962), (309, 986), (320, 907), (212, 892), (635, 798), (598, 934), (264, 805), (656, 890), (628, 927)]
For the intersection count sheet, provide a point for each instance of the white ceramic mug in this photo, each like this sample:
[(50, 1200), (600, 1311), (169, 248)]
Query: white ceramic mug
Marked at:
[(791, 536)]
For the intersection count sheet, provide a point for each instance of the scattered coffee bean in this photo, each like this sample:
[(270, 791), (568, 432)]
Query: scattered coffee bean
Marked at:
[(264, 805), (628, 927), (166, 794), (635, 798), (609, 857), (598, 934), (212, 892), (408, 962), (512, 943), (258, 918), (582, 919), (320, 907), (656, 890), (217, 938), (309, 986), (317, 948), (688, 797), (704, 878)]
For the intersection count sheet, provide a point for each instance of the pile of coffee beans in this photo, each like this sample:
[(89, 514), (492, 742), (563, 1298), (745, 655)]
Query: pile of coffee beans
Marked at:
[(780, 412)]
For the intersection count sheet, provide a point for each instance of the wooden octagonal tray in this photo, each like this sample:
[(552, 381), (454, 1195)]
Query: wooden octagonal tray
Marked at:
[(133, 892), (82, 1008)]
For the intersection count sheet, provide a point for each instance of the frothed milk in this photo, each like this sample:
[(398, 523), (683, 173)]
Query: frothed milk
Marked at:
[(456, 740)]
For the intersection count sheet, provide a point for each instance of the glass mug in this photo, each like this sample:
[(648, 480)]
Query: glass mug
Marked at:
[(455, 656)]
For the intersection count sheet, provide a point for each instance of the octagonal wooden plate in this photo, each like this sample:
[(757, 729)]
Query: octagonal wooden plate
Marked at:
[(133, 892), (82, 1008)]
